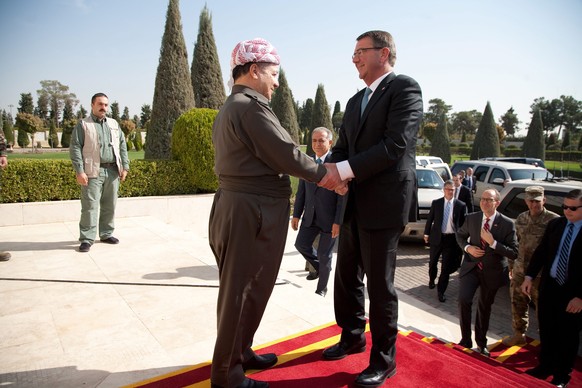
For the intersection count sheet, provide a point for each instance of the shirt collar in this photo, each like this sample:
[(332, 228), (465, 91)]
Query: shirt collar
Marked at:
[(375, 84)]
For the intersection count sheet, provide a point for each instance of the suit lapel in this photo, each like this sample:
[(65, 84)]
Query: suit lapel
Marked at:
[(380, 90)]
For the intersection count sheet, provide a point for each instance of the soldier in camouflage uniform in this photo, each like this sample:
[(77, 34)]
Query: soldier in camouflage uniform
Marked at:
[(4, 256), (530, 226)]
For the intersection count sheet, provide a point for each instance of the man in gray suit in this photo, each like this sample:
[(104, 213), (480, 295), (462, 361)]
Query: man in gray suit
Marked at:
[(488, 239), (321, 211)]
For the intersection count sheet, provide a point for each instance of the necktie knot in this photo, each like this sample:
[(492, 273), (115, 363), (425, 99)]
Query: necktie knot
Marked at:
[(318, 160)]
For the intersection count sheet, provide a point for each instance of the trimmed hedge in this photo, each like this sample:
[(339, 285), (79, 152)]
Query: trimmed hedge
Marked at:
[(31, 180)]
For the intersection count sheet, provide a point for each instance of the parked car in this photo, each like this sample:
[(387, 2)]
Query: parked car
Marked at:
[(513, 195), (436, 164), (516, 159), (430, 187), (493, 174)]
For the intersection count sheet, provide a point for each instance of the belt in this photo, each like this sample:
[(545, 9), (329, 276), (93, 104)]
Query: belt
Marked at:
[(108, 165)]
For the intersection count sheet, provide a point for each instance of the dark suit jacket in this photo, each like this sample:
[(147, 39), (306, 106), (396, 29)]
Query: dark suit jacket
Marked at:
[(435, 219), (543, 258), (380, 147), (312, 200), (495, 261), (465, 182), (465, 195)]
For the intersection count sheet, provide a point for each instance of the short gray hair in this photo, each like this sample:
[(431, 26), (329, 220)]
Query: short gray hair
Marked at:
[(324, 129)]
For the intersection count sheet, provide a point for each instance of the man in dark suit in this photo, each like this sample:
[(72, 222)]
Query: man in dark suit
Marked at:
[(560, 292), (488, 239), (375, 151), (446, 216), (470, 181), (321, 211), (462, 193)]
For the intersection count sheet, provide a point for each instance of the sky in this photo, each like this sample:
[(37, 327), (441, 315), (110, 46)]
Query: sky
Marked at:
[(464, 52)]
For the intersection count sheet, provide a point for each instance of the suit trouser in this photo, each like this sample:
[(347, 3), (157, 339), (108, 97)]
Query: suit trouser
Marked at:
[(247, 235), (559, 330), (373, 253), (451, 253), (468, 286), (321, 258), (98, 200)]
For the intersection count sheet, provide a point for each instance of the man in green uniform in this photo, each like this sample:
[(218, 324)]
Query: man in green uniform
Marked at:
[(530, 226)]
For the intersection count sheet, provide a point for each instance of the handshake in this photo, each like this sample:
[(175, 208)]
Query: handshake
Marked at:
[(332, 180)]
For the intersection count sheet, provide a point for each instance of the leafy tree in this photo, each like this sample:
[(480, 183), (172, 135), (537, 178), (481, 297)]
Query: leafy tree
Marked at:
[(29, 123), (68, 112), (436, 109), (509, 122), (429, 130), (500, 133), (125, 115), (136, 121), (82, 113), (115, 111), (173, 94), (486, 141), (206, 74), (53, 139), (282, 104), (441, 145), (465, 122), (7, 127), (146, 114), (42, 107), (533, 146), (566, 140), (56, 95), (321, 116), (551, 140), (563, 112), (26, 104)]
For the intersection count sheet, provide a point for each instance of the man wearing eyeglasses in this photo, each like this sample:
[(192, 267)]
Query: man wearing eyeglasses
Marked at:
[(560, 292), (488, 239), (530, 226), (375, 153), (446, 215)]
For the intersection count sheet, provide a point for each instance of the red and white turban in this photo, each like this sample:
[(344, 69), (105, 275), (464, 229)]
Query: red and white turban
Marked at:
[(254, 50)]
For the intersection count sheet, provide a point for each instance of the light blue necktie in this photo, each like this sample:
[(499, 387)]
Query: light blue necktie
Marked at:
[(446, 216), (562, 268), (318, 160), (365, 100)]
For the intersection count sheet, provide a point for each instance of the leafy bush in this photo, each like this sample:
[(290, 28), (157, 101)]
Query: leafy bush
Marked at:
[(192, 146)]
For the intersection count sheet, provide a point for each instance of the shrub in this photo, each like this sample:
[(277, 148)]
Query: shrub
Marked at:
[(192, 146)]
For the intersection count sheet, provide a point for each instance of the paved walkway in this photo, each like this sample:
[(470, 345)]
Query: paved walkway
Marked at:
[(125, 313)]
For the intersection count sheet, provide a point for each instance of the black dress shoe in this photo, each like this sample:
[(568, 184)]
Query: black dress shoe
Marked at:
[(484, 351), (466, 344), (561, 380), (110, 240), (372, 377), (431, 284), (342, 349), (250, 383), (539, 372), (262, 361), (322, 292), (84, 247), (442, 297), (312, 276)]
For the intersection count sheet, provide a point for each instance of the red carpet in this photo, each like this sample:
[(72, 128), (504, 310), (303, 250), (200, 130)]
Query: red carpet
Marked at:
[(421, 362)]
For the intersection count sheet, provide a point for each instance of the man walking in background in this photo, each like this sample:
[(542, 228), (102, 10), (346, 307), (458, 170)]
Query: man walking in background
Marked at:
[(530, 226), (321, 210), (446, 216), (462, 193), (99, 155)]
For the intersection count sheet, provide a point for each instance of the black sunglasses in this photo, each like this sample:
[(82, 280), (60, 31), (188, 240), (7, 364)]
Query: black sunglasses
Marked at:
[(573, 208)]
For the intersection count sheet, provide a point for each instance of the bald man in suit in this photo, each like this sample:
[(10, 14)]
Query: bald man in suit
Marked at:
[(488, 239)]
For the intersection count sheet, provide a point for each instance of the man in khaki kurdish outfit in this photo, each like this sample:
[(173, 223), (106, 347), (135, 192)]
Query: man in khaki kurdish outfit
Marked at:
[(530, 226), (99, 155), (254, 157)]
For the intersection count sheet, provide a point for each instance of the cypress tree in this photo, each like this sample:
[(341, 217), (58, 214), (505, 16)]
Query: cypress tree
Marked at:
[(173, 94), (321, 116), (486, 141), (440, 145), (206, 74), (533, 146), (283, 106), (565, 139)]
